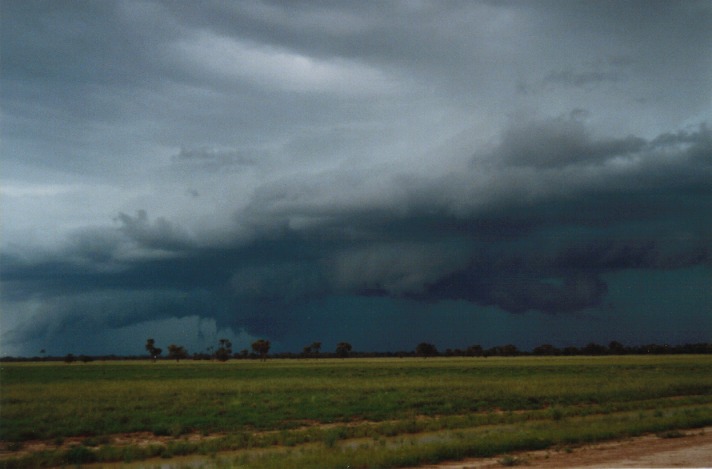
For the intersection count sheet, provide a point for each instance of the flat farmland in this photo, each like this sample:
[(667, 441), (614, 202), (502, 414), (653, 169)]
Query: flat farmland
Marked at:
[(338, 413)]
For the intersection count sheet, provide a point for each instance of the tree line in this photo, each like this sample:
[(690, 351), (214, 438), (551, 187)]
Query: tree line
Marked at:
[(223, 352), (590, 349), (260, 349)]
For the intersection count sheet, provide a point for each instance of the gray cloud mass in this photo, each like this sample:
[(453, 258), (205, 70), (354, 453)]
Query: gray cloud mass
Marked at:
[(381, 173)]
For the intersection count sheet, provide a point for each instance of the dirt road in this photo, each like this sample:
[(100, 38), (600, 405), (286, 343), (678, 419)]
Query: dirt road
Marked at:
[(694, 450)]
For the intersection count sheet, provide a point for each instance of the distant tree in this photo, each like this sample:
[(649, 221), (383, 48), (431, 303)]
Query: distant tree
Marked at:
[(224, 352), (85, 358), (200, 356), (312, 349), (657, 349), (226, 344), (593, 349), (546, 349), (424, 349), (343, 349), (153, 351), (695, 348), (474, 351), (177, 352), (508, 350), (570, 350), (69, 358), (261, 348), (616, 348)]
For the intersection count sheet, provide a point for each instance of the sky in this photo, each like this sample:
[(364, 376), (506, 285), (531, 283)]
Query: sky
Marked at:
[(380, 173)]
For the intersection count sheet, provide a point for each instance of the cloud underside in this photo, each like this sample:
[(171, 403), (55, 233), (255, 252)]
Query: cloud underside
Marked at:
[(236, 167), (495, 234)]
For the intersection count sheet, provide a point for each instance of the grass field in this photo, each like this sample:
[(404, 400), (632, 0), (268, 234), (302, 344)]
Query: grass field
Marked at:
[(334, 413)]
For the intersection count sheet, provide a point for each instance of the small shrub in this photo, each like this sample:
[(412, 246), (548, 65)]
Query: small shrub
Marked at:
[(15, 446), (173, 430), (510, 461), (162, 431), (556, 413), (79, 455), (29, 435), (90, 442), (178, 430), (330, 439)]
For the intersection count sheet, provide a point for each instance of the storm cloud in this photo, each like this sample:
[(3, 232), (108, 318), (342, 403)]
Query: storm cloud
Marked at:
[(381, 173)]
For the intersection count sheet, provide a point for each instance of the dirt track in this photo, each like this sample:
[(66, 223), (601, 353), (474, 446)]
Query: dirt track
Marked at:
[(692, 450)]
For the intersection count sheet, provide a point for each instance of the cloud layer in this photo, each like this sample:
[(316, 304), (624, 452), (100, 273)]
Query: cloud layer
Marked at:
[(245, 169)]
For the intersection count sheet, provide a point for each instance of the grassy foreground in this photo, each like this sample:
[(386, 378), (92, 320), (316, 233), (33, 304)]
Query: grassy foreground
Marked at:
[(334, 413)]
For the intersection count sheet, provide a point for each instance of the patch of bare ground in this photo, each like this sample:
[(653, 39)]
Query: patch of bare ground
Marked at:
[(692, 449), (140, 439)]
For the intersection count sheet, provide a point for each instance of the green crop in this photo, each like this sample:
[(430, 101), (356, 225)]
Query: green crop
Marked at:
[(382, 412)]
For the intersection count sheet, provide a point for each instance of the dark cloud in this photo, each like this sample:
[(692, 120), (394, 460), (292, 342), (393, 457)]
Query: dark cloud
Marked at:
[(547, 254), (161, 234), (517, 291), (614, 255), (560, 142), (288, 168), (568, 281)]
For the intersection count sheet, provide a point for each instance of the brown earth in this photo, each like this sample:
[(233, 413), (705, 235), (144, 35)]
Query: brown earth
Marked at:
[(140, 439), (692, 449)]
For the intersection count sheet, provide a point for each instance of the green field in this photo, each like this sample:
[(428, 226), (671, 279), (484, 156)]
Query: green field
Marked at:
[(334, 413)]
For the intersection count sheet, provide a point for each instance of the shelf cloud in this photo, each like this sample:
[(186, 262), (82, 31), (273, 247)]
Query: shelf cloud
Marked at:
[(380, 173)]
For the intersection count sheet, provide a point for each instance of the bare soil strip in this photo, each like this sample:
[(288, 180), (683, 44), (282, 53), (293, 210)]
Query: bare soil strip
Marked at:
[(693, 450), (140, 439)]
